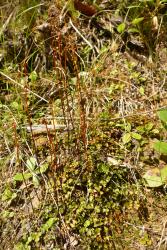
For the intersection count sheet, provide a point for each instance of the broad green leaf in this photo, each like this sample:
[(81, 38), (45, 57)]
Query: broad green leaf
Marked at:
[(136, 136), (161, 147), (126, 138), (156, 177), (153, 178), (163, 115), (121, 27), (22, 177), (137, 20)]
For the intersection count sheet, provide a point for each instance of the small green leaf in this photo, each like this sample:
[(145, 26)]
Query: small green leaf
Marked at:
[(31, 163), (34, 236), (136, 136), (140, 129), (137, 20), (163, 115), (18, 177), (48, 224), (149, 126), (128, 127), (87, 223), (43, 168), (141, 90), (15, 105), (160, 147), (33, 76), (73, 80), (126, 138), (35, 180), (7, 194), (155, 131), (121, 27), (133, 30), (7, 214), (22, 177), (103, 168), (21, 246)]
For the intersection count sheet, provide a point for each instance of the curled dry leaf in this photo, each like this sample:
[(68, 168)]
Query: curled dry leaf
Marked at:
[(88, 10)]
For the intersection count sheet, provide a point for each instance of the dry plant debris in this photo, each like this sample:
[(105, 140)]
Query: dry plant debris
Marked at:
[(83, 108)]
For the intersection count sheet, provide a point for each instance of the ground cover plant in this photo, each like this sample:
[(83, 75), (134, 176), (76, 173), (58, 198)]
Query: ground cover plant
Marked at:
[(83, 108)]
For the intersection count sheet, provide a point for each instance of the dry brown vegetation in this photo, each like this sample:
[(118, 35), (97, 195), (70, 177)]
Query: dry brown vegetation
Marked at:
[(81, 85)]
